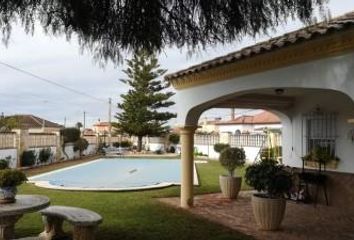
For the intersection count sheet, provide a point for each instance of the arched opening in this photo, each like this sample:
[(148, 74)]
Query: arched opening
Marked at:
[(291, 106)]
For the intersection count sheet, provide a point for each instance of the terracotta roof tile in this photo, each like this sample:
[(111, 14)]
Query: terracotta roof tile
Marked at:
[(337, 24), (101, 124), (261, 118), (27, 121)]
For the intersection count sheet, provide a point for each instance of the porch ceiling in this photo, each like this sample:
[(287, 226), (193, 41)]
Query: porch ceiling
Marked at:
[(262, 101)]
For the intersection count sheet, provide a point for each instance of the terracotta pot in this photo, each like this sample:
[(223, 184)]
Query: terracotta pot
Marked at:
[(230, 186), (8, 194), (268, 212)]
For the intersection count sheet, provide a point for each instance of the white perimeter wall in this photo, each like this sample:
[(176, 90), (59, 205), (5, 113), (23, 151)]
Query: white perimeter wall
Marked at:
[(155, 147), (251, 152), (91, 149)]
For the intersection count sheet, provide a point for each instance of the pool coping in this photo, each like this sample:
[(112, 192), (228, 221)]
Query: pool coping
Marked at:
[(47, 184)]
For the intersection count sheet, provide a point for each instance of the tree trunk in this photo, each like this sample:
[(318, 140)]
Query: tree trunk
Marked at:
[(140, 143), (65, 154)]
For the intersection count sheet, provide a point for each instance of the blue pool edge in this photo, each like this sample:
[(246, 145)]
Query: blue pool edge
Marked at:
[(48, 185)]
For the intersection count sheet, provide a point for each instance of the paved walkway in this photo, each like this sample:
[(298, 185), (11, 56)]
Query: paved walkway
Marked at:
[(302, 221)]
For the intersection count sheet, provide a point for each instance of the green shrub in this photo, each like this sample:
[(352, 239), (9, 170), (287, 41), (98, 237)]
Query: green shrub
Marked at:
[(70, 134), (80, 145), (44, 155), (231, 158), (159, 151), (321, 154), (174, 138), (11, 177), (220, 146), (28, 158), (4, 164), (172, 149), (125, 144), (270, 177)]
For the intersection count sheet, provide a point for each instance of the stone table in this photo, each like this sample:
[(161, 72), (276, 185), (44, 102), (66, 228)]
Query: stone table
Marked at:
[(10, 213)]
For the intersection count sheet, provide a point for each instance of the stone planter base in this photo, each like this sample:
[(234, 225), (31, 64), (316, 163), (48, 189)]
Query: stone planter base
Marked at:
[(7, 200), (230, 186), (8, 194), (269, 213)]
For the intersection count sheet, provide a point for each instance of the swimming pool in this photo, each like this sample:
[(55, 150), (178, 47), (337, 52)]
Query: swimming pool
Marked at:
[(114, 174)]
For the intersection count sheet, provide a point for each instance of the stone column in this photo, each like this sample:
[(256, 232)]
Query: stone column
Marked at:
[(187, 142)]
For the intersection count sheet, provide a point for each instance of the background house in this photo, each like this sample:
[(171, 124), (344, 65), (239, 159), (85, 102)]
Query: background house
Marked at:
[(35, 124), (243, 124)]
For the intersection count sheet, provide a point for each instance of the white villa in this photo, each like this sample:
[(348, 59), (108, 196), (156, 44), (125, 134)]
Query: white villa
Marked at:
[(305, 77), (242, 124)]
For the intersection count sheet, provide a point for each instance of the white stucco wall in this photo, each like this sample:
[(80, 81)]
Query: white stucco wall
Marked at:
[(69, 149), (155, 147), (327, 101), (247, 127), (91, 149), (233, 128), (37, 150), (208, 150), (334, 73), (334, 76), (251, 152)]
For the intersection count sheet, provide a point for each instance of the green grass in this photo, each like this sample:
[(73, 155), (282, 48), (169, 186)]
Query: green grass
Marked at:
[(137, 215)]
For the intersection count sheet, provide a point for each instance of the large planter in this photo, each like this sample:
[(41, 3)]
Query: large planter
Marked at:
[(8, 194), (268, 212), (230, 186)]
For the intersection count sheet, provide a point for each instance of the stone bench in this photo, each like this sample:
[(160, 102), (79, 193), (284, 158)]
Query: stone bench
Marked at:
[(84, 222)]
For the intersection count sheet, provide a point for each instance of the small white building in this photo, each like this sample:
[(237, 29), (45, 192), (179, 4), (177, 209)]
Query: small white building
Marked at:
[(250, 123)]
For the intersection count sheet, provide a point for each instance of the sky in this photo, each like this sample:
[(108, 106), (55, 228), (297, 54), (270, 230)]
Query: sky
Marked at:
[(60, 61)]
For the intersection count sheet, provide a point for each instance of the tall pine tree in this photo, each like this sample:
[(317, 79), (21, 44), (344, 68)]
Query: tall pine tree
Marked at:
[(142, 106)]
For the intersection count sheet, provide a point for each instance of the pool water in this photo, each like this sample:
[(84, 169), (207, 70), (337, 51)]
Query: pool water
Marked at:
[(113, 174)]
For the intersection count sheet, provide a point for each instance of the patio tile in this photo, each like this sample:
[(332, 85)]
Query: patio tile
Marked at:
[(302, 221)]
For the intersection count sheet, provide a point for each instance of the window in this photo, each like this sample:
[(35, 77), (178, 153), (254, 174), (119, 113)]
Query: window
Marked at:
[(319, 131)]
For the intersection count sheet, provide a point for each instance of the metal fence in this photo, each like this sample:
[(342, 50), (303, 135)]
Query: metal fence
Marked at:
[(206, 139)]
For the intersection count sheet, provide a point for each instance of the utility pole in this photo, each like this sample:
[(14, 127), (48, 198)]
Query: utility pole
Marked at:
[(232, 113), (84, 120), (109, 121), (64, 122)]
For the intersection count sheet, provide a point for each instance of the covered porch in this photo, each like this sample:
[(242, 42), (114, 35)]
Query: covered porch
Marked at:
[(306, 73)]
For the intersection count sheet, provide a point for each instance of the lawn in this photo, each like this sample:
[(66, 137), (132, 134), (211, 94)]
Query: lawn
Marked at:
[(137, 215)]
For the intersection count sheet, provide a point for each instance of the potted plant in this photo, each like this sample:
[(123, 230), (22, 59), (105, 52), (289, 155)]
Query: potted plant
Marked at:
[(218, 147), (321, 155), (9, 180), (230, 159), (272, 183)]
